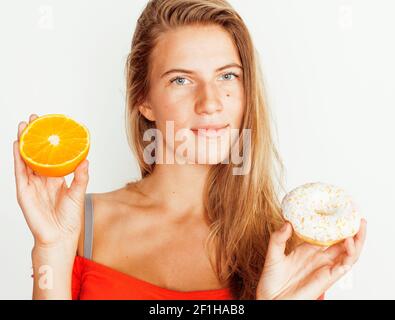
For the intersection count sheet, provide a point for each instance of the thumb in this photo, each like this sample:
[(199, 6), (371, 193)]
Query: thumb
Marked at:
[(80, 180), (278, 241)]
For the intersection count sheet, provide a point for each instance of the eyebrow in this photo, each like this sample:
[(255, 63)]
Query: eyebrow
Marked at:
[(191, 71)]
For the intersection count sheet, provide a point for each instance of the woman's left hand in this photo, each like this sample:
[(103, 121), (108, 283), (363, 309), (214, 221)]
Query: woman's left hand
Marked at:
[(309, 270)]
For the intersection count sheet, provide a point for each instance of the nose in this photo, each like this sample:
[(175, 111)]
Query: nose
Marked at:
[(208, 101)]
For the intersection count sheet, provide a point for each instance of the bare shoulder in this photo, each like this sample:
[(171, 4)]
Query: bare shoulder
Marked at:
[(111, 209), (134, 234)]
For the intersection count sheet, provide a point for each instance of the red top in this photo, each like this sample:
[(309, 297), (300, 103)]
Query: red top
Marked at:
[(94, 281)]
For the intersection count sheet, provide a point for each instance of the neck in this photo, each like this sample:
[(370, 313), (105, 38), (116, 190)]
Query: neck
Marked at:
[(177, 187)]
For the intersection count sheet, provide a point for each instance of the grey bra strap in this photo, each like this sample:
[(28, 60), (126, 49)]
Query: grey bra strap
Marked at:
[(88, 226)]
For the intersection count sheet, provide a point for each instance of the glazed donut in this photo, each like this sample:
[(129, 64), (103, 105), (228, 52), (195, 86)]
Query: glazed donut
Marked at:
[(320, 213)]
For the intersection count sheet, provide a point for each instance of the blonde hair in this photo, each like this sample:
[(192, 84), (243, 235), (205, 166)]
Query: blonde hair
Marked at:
[(240, 227)]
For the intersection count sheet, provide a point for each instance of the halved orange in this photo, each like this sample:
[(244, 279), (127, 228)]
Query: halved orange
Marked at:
[(54, 145)]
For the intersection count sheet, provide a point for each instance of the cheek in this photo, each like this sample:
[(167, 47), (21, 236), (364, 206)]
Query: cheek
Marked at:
[(165, 105), (173, 118), (172, 107), (176, 118), (235, 108)]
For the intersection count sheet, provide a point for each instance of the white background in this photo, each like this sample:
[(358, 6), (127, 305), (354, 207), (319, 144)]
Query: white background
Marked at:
[(329, 74)]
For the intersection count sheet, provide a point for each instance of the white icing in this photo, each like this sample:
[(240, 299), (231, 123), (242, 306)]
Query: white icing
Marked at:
[(340, 218)]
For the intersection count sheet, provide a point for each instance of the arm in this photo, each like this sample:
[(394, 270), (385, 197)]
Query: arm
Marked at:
[(54, 214), (52, 271)]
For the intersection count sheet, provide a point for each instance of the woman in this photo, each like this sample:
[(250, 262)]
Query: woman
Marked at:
[(188, 229)]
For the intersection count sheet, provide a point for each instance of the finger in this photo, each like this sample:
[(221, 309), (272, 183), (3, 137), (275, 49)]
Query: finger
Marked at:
[(319, 282), (354, 245), (55, 182), (338, 270), (55, 185), (21, 126), (360, 237), (324, 278), (340, 257), (278, 241), (80, 181), (334, 251), (327, 257), (350, 246), (32, 117), (346, 252), (309, 249), (349, 256), (21, 177), (320, 256)]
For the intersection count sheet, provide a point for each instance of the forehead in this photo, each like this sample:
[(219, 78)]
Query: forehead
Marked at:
[(194, 47)]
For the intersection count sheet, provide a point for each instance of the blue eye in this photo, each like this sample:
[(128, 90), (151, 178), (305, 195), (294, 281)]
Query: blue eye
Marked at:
[(176, 79), (230, 74), (181, 80)]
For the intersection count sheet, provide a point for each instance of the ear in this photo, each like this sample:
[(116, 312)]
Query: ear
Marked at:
[(146, 110)]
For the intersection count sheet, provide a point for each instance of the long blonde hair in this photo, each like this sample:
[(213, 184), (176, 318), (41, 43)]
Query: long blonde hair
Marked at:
[(240, 226)]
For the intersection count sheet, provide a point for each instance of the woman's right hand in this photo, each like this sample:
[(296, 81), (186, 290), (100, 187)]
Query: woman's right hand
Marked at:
[(53, 211)]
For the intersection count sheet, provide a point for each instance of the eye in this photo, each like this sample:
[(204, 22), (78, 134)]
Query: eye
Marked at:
[(181, 80), (229, 74), (178, 80)]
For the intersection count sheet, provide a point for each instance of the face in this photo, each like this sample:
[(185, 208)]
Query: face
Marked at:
[(196, 91)]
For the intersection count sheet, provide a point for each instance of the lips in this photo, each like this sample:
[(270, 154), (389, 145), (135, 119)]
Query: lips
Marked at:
[(210, 131)]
